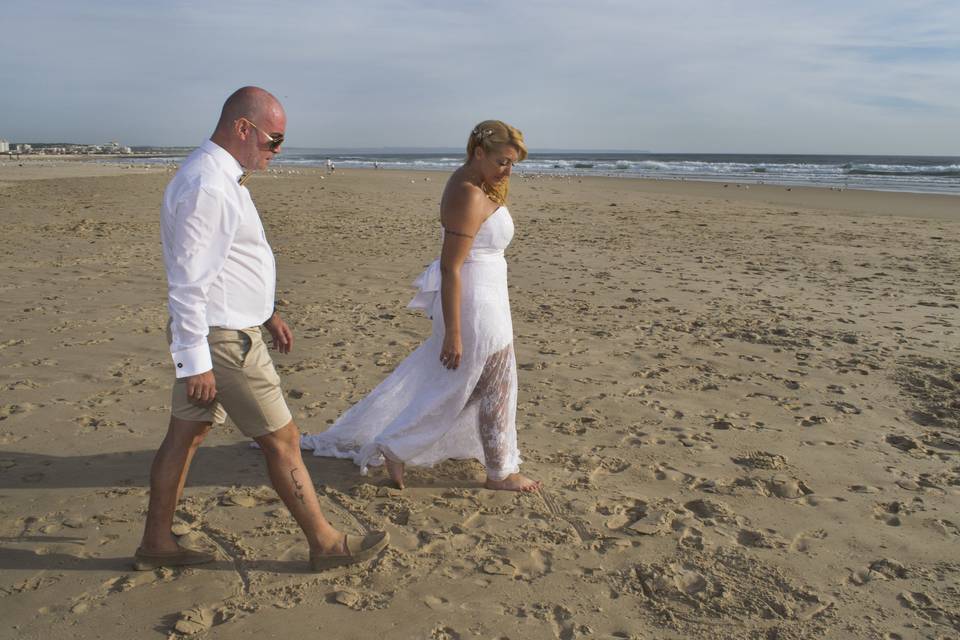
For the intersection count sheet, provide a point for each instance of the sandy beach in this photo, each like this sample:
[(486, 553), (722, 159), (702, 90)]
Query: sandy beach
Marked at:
[(743, 404)]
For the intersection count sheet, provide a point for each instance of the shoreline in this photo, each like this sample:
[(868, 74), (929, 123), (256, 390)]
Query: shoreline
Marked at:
[(734, 181), (859, 202)]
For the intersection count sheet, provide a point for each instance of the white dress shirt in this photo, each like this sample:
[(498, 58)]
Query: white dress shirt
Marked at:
[(220, 268)]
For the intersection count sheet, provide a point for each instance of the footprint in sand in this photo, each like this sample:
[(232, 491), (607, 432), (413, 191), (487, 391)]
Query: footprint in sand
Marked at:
[(939, 440), (656, 521), (640, 439), (883, 569), (21, 385), (36, 583), (443, 632), (711, 512), (787, 487), (664, 472), (864, 488), (194, 621), (561, 620), (90, 423), (7, 410), (687, 535), (436, 603), (845, 408), (699, 441), (532, 565), (946, 527), (927, 606), (889, 513), (762, 460), (498, 566), (760, 539), (11, 343), (803, 541), (577, 426), (619, 512)]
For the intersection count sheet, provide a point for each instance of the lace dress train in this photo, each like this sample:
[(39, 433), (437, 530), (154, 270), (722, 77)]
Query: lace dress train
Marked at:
[(424, 413)]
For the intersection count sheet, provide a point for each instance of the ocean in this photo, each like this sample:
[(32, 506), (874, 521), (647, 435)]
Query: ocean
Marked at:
[(921, 174)]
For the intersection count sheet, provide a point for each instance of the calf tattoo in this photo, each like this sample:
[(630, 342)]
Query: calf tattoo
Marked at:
[(299, 487)]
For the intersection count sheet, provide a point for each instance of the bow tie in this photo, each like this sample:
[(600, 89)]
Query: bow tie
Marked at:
[(243, 178)]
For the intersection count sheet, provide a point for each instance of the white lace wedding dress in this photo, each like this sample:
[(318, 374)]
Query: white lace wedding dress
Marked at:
[(424, 413)]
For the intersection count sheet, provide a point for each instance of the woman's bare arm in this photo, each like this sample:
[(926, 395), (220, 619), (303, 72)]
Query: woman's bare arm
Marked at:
[(462, 211)]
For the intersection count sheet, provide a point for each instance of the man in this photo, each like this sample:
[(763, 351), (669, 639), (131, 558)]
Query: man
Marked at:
[(221, 276)]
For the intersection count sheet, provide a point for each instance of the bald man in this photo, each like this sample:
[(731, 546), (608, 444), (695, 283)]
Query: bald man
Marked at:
[(221, 280)]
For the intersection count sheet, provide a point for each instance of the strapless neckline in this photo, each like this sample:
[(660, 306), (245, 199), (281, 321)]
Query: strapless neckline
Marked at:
[(495, 212)]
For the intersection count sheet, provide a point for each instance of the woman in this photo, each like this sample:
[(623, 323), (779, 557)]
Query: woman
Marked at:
[(455, 396)]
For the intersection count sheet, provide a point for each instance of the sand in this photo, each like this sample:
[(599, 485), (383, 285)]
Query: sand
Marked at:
[(742, 402)]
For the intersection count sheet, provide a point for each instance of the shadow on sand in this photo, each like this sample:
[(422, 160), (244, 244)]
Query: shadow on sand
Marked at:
[(214, 465), (29, 560), (229, 465)]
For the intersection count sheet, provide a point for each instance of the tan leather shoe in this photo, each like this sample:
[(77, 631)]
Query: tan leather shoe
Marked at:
[(359, 549), (182, 557)]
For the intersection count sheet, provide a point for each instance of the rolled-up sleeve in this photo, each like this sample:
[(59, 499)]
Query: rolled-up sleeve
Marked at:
[(203, 231)]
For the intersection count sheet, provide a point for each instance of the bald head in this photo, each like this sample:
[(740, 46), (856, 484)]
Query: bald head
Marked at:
[(248, 102), (250, 121)]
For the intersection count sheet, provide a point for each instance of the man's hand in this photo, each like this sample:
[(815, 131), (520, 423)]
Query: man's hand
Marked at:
[(282, 336), (202, 388)]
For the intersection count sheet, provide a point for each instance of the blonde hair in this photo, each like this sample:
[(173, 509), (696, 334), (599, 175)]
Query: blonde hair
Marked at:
[(488, 135)]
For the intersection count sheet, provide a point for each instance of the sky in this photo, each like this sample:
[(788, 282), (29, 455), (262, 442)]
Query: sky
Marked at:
[(684, 76)]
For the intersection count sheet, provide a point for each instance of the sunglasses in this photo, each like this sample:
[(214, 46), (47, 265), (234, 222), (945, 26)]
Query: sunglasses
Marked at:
[(275, 139)]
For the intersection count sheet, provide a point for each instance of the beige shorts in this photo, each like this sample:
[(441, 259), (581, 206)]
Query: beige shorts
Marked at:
[(248, 387)]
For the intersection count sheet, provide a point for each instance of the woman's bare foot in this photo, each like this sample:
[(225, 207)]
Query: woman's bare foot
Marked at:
[(514, 482), (395, 471)]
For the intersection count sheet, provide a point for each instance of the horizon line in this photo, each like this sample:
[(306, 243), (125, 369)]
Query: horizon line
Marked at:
[(546, 150)]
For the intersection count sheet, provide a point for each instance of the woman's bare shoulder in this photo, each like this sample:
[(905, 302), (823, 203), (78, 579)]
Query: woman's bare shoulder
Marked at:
[(462, 199)]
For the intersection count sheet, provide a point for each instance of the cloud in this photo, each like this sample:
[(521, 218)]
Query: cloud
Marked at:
[(690, 75)]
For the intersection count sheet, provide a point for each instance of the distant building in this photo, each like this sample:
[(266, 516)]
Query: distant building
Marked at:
[(112, 147), (42, 149)]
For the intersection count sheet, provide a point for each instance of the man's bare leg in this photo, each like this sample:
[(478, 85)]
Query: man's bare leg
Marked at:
[(186, 468), (167, 477), (292, 482)]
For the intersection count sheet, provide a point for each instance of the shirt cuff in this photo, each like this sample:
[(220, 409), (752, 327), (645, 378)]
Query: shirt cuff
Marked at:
[(190, 362)]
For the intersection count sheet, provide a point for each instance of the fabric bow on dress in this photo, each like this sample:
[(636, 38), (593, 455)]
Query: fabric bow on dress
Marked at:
[(429, 284)]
